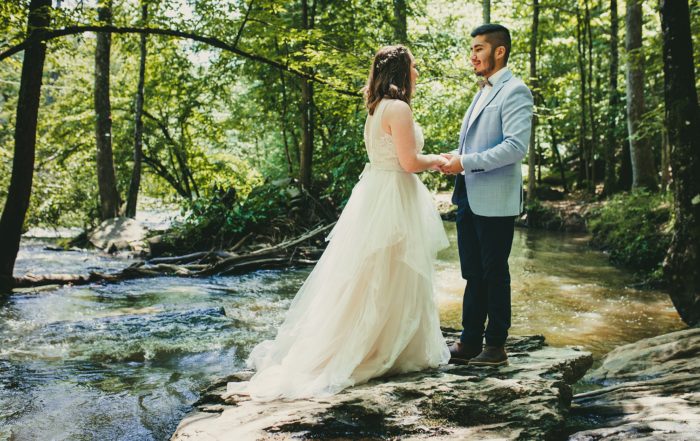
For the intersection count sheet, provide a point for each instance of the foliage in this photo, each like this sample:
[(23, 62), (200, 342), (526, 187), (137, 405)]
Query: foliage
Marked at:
[(214, 119), (542, 216), (223, 218), (635, 228)]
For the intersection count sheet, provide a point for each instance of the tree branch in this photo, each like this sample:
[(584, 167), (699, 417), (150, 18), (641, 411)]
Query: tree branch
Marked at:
[(212, 41), (245, 20)]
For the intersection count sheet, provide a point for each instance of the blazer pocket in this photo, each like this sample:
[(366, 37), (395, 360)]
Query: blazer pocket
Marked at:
[(490, 109)]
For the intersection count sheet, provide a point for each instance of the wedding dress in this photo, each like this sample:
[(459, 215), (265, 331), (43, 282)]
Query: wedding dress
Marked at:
[(367, 309)]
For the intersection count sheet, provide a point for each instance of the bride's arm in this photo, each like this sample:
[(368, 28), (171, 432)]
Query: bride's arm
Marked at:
[(399, 119)]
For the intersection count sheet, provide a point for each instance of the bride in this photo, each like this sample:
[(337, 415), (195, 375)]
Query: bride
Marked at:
[(367, 308)]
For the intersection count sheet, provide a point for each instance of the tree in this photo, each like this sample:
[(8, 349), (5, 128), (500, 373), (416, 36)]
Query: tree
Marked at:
[(584, 141), (106, 180), (400, 25), (593, 144), (20, 189), (613, 103), (132, 197), (307, 106), (643, 170), (532, 155), (486, 10), (683, 123)]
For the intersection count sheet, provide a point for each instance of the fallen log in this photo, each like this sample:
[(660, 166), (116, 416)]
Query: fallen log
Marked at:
[(192, 257), (227, 263), (281, 255)]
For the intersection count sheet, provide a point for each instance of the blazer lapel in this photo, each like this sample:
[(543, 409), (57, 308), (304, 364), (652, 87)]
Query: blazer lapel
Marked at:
[(496, 88), (465, 121)]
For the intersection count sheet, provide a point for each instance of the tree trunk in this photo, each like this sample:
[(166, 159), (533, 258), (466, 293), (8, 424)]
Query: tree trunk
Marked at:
[(400, 24), (283, 123), (20, 189), (106, 181), (584, 169), (180, 153), (557, 155), (625, 182), (665, 160), (643, 171), (539, 163), (613, 103), (591, 110), (307, 113), (486, 10), (138, 124), (683, 123), (307, 133), (532, 155)]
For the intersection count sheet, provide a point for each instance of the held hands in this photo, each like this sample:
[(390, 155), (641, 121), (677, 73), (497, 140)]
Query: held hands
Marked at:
[(437, 162), (453, 164), (446, 163)]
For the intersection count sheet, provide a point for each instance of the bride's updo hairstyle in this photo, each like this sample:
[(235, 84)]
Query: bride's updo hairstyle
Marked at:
[(389, 77)]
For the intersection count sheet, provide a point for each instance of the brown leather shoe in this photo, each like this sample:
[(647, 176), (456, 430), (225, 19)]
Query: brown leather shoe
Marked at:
[(490, 356), (461, 353)]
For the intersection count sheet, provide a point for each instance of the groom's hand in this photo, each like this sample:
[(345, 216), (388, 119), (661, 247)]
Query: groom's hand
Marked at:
[(453, 166)]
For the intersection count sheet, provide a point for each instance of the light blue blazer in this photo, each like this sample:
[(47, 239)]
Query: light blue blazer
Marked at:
[(493, 147)]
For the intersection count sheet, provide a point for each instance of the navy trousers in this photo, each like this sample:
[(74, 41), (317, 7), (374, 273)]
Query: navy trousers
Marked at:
[(484, 245)]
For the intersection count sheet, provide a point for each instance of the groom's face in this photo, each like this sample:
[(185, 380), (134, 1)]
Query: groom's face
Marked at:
[(482, 56)]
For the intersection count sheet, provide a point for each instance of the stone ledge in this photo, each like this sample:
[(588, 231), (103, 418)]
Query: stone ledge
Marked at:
[(529, 399), (650, 391)]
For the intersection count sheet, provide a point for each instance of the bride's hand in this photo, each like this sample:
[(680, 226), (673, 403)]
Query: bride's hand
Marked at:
[(437, 162)]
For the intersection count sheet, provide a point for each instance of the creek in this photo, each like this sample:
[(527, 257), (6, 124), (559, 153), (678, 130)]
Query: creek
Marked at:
[(127, 360)]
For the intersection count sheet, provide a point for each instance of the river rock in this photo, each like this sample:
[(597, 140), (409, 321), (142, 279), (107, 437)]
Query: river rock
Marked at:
[(651, 391), (120, 234), (529, 399)]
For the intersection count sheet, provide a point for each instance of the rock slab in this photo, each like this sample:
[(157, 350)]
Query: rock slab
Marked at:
[(529, 399), (119, 234), (650, 391)]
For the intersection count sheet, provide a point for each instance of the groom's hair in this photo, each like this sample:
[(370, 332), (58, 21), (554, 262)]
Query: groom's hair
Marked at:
[(496, 35)]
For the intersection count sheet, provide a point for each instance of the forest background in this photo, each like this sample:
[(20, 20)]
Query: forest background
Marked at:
[(248, 116)]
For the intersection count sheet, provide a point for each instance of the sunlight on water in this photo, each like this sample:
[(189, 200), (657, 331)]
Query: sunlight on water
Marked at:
[(565, 291), (127, 360), (33, 257)]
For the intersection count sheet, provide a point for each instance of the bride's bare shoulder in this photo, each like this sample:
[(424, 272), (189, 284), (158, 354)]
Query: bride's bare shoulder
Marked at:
[(398, 110)]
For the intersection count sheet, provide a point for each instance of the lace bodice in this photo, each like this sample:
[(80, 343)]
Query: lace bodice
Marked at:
[(379, 144)]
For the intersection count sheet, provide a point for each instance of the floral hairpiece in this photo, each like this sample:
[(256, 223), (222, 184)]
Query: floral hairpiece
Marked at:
[(390, 55)]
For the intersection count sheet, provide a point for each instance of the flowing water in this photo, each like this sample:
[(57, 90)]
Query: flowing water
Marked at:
[(126, 361)]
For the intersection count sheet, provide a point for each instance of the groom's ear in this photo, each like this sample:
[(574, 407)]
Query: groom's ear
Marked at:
[(500, 52)]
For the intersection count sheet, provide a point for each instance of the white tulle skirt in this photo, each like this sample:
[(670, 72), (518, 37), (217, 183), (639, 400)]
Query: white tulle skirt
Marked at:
[(367, 309)]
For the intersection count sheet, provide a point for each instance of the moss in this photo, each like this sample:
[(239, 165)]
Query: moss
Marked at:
[(542, 216), (635, 229)]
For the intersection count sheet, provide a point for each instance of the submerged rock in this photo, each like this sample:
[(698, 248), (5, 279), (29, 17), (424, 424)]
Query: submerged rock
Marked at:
[(651, 391), (529, 399)]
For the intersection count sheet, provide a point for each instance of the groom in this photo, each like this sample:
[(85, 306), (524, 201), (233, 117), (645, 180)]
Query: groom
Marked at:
[(488, 194)]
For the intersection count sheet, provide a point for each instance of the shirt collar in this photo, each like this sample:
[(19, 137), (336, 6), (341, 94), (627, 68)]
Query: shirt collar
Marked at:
[(493, 79)]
